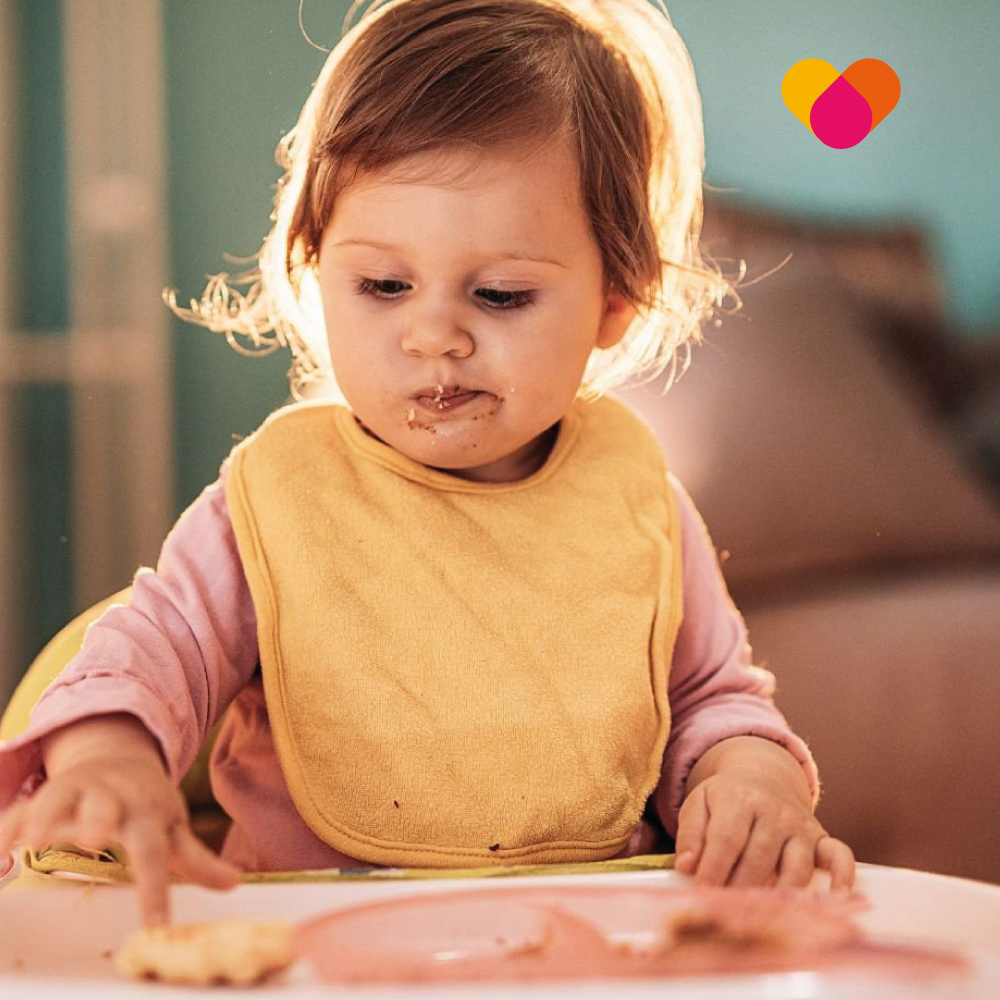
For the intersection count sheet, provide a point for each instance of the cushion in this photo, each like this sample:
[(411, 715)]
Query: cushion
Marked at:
[(806, 448), (891, 680), (884, 262)]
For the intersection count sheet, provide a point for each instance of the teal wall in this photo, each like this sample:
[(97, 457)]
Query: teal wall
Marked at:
[(237, 73), (934, 158), (40, 306), (39, 210)]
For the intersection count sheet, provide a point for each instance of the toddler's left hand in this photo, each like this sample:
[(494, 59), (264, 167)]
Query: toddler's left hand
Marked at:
[(749, 826)]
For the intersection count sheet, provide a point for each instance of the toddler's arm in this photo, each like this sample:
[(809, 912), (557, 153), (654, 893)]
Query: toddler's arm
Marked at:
[(748, 820), (172, 659), (715, 690), (722, 709), (175, 656), (107, 783)]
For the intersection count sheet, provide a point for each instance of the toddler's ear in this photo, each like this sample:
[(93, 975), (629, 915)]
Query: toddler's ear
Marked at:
[(618, 315)]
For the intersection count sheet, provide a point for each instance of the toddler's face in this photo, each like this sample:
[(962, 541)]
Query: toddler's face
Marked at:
[(438, 306)]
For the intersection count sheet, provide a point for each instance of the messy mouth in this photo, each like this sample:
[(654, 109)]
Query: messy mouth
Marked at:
[(439, 392), (440, 398)]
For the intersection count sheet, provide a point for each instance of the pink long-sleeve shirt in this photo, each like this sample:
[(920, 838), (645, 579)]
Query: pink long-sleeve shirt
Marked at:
[(185, 648)]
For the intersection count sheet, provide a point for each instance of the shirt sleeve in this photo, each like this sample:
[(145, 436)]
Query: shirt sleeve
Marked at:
[(715, 690), (175, 655)]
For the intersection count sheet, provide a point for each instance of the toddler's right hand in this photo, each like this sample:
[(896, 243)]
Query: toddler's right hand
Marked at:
[(107, 784)]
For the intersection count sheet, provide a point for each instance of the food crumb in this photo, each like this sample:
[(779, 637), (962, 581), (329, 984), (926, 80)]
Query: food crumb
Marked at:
[(395, 803), (532, 947), (495, 847), (699, 929)]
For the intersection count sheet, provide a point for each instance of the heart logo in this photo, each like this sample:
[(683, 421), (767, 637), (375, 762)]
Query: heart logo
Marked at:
[(840, 109)]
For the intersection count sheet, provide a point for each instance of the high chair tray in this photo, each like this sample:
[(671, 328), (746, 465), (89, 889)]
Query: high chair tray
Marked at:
[(57, 936)]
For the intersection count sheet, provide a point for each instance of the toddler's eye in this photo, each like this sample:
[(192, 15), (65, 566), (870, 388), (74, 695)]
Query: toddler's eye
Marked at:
[(375, 287)]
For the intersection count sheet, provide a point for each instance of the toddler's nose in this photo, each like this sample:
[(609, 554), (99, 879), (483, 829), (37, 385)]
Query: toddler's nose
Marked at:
[(434, 338)]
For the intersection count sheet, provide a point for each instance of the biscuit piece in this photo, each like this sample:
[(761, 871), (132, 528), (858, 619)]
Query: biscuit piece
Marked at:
[(227, 952)]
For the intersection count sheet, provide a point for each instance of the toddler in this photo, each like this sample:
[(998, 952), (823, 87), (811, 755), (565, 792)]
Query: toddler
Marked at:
[(453, 604)]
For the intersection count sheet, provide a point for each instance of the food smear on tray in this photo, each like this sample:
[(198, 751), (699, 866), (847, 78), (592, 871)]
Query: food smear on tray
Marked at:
[(596, 932)]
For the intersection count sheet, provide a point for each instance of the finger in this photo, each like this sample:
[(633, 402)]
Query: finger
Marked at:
[(98, 814), (147, 843), (796, 864), (760, 856), (65, 831), (194, 861), (725, 837), (52, 811), (838, 859), (691, 822)]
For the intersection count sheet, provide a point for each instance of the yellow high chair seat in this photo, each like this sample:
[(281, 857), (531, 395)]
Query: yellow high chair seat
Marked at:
[(208, 820)]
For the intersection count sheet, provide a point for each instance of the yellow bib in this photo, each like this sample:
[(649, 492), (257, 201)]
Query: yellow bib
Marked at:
[(461, 673)]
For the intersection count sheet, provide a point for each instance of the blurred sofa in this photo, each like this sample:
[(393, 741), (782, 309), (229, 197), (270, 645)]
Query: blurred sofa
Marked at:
[(856, 536)]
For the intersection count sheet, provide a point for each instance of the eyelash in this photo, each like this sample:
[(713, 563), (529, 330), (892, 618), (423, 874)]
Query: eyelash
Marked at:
[(517, 300)]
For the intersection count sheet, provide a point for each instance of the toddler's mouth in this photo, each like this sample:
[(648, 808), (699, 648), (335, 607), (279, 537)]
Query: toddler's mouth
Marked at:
[(439, 391), (441, 397)]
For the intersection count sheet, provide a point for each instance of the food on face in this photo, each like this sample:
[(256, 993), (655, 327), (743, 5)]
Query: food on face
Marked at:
[(221, 952)]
